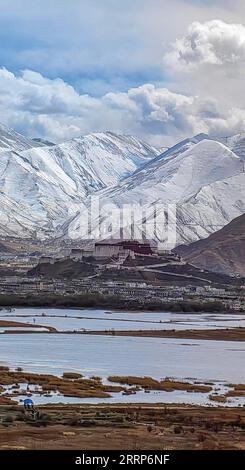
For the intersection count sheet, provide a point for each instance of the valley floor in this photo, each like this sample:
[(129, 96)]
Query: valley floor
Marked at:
[(123, 426)]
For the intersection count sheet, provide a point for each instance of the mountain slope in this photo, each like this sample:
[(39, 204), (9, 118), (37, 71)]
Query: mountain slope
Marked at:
[(223, 251), (236, 143), (182, 146), (42, 142), (43, 188), (12, 140), (178, 177), (36, 196), (103, 158), (200, 181), (213, 207)]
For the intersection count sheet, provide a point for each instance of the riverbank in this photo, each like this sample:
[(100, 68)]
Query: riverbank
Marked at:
[(110, 302), (221, 334), (31, 327), (124, 426), (229, 334)]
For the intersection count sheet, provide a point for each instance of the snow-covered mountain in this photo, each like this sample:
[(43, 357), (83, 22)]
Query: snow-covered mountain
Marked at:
[(45, 189), (41, 188), (12, 140), (236, 143), (102, 159), (38, 142), (213, 207), (179, 176), (41, 197), (206, 181), (182, 146)]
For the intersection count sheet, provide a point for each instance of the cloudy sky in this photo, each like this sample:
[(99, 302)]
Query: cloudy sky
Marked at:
[(159, 69)]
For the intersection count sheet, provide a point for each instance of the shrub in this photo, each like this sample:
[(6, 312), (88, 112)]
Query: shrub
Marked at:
[(71, 375), (8, 419), (178, 429)]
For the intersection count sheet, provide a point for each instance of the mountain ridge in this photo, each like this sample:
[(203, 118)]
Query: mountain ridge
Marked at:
[(51, 183), (222, 252), (45, 189), (190, 180)]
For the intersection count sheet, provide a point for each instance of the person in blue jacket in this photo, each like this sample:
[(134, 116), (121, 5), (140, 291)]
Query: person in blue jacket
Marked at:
[(28, 404)]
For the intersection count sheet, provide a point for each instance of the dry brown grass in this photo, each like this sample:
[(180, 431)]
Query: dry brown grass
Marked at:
[(16, 324), (149, 383), (71, 375), (218, 398), (228, 334), (238, 390), (70, 385), (125, 426), (7, 401)]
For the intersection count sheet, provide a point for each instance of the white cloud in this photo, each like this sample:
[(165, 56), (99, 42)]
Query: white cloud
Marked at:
[(209, 43), (38, 106)]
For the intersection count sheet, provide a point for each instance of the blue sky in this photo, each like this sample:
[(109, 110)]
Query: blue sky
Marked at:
[(83, 42), (104, 49)]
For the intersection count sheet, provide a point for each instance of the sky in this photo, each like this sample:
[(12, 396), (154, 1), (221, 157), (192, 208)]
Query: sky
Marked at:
[(162, 70)]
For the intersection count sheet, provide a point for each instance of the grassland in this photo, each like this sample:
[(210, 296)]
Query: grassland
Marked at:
[(128, 427)]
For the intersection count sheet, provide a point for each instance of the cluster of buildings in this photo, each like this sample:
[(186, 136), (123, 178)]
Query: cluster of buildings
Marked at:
[(118, 249), (141, 292), (107, 256), (111, 251)]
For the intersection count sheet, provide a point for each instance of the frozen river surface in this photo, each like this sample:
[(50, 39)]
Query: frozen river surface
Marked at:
[(220, 362), (106, 355), (95, 319)]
